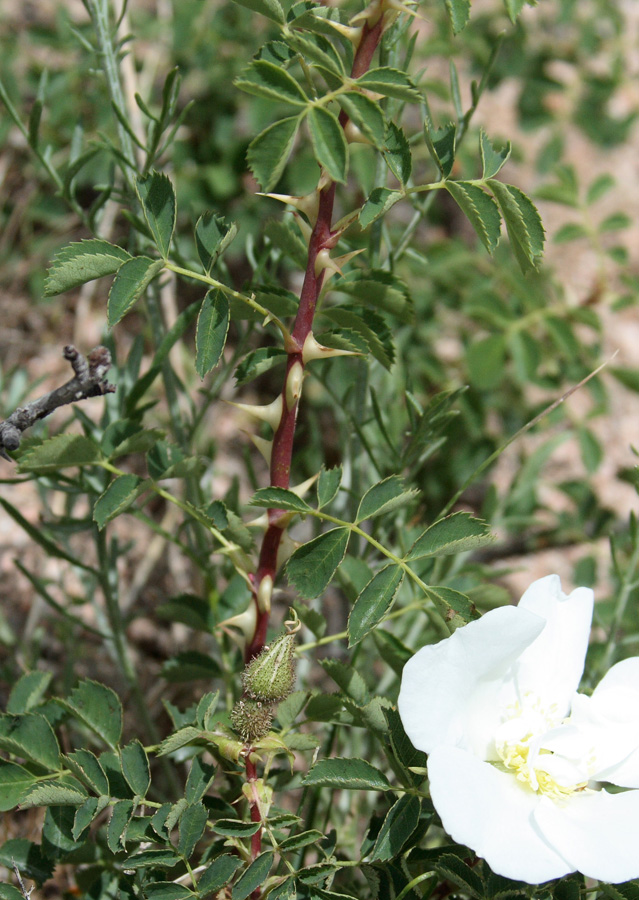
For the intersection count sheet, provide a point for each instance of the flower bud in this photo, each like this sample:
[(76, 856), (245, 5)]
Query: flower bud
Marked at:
[(271, 675), (251, 719)]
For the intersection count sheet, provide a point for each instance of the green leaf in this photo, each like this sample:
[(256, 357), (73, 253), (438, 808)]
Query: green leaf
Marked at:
[(14, 781), (268, 153), (29, 859), (192, 824), (480, 210), (180, 739), (397, 153), (366, 115), (313, 565), (85, 814), (383, 497), (218, 874), (50, 793), (328, 485), (135, 767), (204, 716), (212, 328), (167, 890), (119, 495), (485, 360), (455, 607), (348, 679), (87, 768), (441, 143), (121, 815), (319, 50), (571, 231), (458, 13), (374, 602), (60, 452), (236, 828), (9, 892), (377, 204), (80, 262), (212, 237), (380, 290), (615, 222), (598, 187), (454, 869), (279, 498), (200, 776), (271, 9), (492, 160), (157, 197), (30, 736), (157, 859), (28, 691), (329, 144), (514, 7), (347, 774), (454, 534), (400, 822), (97, 707), (131, 281), (296, 841), (257, 362), (253, 877), (391, 83), (591, 450), (371, 326), (523, 223), (265, 79)]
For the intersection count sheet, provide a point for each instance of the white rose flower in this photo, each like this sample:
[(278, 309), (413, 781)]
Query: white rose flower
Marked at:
[(516, 757)]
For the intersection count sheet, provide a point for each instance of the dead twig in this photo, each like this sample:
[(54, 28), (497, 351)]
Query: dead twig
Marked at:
[(90, 380)]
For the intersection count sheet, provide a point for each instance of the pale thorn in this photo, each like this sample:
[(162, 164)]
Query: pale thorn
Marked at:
[(333, 266), (245, 623), (286, 549), (304, 486), (353, 135), (259, 522), (314, 350), (265, 447), (308, 204), (264, 594), (271, 413), (304, 227), (371, 14), (294, 381), (352, 33), (325, 179)]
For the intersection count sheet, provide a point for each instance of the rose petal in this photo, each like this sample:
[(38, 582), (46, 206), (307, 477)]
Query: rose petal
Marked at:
[(492, 813), (596, 831), (551, 668), (450, 691)]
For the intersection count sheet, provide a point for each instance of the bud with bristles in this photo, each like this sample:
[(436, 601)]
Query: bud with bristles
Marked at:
[(251, 719), (271, 675)]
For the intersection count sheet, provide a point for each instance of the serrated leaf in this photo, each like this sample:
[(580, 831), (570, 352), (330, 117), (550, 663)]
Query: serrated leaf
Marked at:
[(389, 82), (268, 153), (14, 781), (458, 13), (28, 691), (157, 859), (318, 49), (380, 290), (441, 143), (454, 606), (117, 498), (121, 814), (329, 144), (456, 870), (347, 774), (99, 708), (271, 9), (253, 877), (192, 824), (480, 209), (50, 793), (400, 822), (80, 262), (257, 362), (265, 79), (397, 153), (200, 776), (212, 237), (492, 159), (279, 498), (374, 602), (366, 115), (571, 231), (348, 679), (212, 328), (132, 279), (157, 196), (60, 452), (296, 841), (313, 565), (135, 767), (87, 767), (205, 712), (30, 736), (9, 892), (454, 534), (30, 860), (514, 7), (598, 187), (235, 828), (371, 326), (523, 223), (328, 485), (167, 890), (383, 497), (379, 201), (218, 874), (180, 739), (85, 814)]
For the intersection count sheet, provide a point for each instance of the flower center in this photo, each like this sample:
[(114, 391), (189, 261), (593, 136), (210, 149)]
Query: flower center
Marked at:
[(521, 744)]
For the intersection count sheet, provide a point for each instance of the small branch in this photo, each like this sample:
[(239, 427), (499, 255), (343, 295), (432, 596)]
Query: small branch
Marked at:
[(90, 380)]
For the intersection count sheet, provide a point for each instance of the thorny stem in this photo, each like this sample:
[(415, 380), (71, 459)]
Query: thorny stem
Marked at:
[(322, 238)]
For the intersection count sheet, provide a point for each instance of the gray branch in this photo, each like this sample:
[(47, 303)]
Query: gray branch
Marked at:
[(90, 380)]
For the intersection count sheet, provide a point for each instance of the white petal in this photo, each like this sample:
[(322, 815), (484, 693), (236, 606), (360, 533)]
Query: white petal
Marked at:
[(450, 690), (493, 814), (551, 668), (596, 831)]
